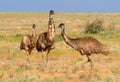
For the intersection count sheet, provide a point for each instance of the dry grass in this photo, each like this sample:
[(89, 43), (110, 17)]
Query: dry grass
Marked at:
[(64, 62)]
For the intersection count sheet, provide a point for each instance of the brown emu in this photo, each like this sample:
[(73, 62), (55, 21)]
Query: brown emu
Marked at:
[(85, 45), (28, 42), (45, 40)]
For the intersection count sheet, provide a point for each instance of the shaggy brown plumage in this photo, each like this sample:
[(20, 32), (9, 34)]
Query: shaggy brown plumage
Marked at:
[(28, 42), (85, 45), (45, 40)]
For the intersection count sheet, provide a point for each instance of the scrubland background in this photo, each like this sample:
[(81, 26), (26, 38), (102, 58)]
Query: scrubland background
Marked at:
[(64, 62)]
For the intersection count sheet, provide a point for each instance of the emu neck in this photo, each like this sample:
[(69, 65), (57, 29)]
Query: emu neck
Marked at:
[(33, 32), (51, 28), (50, 16), (51, 23), (65, 37)]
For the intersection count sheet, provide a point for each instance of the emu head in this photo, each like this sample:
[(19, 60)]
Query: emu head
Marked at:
[(33, 30), (33, 26), (61, 25), (52, 12)]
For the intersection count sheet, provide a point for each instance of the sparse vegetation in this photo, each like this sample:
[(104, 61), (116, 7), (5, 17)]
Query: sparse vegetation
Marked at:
[(19, 70), (55, 79), (2, 37), (109, 78), (14, 52), (23, 79), (65, 63), (1, 73), (79, 59), (17, 37)]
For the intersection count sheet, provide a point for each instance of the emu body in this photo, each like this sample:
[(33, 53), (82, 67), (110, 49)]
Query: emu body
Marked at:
[(45, 40), (28, 42), (85, 45)]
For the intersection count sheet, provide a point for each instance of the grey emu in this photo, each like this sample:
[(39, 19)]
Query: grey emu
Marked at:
[(85, 45), (45, 40), (28, 42)]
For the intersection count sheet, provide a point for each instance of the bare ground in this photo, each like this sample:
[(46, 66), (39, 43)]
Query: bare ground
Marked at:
[(63, 68)]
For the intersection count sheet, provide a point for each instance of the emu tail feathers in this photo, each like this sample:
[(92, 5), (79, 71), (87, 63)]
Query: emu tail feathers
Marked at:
[(105, 51)]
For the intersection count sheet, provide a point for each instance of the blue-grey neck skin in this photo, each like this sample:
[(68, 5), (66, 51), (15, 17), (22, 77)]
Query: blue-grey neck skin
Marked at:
[(63, 31), (62, 28), (66, 39)]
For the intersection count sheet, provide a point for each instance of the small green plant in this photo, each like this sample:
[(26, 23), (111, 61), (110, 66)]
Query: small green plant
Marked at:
[(2, 37), (47, 80), (1, 73), (17, 37), (115, 50), (10, 80), (56, 51), (23, 79), (19, 70), (58, 38), (58, 79), (78, 59), (29, 78), (108, 79), (55, 79), (94, 27)]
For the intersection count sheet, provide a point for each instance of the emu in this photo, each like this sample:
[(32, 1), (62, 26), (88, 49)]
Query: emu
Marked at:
[(28, 42), (45, 40), (85, 45)]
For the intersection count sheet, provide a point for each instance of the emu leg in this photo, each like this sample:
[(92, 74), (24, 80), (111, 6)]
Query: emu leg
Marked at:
[(42, 56), (89, 60), (47, 56), (28, 56), (27, 59), (51, 48)]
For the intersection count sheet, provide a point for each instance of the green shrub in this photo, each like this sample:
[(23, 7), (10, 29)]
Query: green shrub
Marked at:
[(94, 27)]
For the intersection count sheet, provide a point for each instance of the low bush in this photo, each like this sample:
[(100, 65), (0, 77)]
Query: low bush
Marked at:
[(94, 27)]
